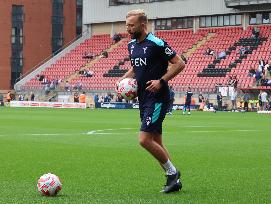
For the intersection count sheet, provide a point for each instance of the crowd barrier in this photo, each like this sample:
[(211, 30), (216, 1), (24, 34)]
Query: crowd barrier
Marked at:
[(29, 104)]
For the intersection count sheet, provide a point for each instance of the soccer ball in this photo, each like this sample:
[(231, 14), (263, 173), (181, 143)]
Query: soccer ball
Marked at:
[(49, 184), (127, 88)]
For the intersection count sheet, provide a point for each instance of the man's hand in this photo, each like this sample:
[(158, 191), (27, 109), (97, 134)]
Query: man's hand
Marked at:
[(153, 85), (117, 89)]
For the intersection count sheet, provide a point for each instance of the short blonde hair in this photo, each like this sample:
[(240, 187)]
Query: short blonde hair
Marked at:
[(142, 17)]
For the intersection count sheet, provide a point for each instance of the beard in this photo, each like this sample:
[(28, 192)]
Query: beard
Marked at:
[(136, 35)]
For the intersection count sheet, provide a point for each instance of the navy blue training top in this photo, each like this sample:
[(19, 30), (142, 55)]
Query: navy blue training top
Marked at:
[(189, 95), (149, 59)]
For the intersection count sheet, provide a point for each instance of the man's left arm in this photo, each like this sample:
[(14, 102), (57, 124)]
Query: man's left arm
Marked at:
[(177, 65)]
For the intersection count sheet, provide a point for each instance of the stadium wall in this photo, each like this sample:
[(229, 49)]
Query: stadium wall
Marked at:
[(69, 27), (100, 11), (37, 34)]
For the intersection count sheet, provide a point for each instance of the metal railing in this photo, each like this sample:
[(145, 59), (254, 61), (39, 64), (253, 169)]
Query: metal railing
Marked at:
[(232, 3)]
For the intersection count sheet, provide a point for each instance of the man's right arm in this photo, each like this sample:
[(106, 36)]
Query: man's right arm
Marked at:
[(129, 74)]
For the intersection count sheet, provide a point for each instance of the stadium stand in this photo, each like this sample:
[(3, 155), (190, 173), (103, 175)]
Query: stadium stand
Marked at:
[(105, 75), (202, 73), (107, 69), (72, 61)]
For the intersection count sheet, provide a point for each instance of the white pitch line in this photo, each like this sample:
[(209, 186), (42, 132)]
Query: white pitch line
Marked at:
[(224, 130), (105, 131), (246, 130), (199, 126), (93, 132), (46, 134), (204, 131)]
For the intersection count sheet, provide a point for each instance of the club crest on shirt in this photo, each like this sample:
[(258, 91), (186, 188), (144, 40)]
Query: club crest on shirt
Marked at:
[(168, 51), (148, 120), (132, 47), (144, 49)]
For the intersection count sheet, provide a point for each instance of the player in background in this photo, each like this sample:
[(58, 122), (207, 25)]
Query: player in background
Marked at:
[(171, 100), (150, 57), (188, 99)]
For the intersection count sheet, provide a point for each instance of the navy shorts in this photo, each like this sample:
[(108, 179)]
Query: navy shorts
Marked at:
[(187, 103), (152, 115)]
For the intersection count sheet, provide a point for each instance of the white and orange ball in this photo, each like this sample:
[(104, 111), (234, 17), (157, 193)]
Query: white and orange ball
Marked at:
[(127, 88), (49, 184)]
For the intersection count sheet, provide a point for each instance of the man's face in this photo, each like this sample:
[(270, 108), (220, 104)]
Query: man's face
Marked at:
[(134, 27)]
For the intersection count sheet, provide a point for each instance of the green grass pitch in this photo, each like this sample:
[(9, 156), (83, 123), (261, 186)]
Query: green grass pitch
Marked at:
[(224, 157)]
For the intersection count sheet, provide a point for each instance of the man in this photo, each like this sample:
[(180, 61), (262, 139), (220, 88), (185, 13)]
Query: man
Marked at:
[(76, 97), (8, 96), (201, 101), (264, 98), (1, 100), (149, 57), (233, 100), (242, 50), (255, 32), (246, 101), (172, 95), (82, 97), (67, 86), (116, 38), (219, 101), (209, 51), (252, 72), (188, 99), (258, 77), (260, 100), (222, 55)]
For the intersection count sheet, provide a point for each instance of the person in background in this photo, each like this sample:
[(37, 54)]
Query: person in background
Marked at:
[(264, 99), (219, 101), (116, 38), (89, 73), (233, 100), (32, 96), (258, 77), (104, 54), (88, 56), (67, 86), (246, 101), (184, 58), (96, 98), (76, 97), (252, 72), (78, 86), (9, 96), (260, 100), (210, 51), (234, 81), (188, 100), (261, 64), (201, 101), (21, 97), (172, 95), (82, 97), (255, 32), (222, 55), (242, 50), (269, 100), (1, 99)]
